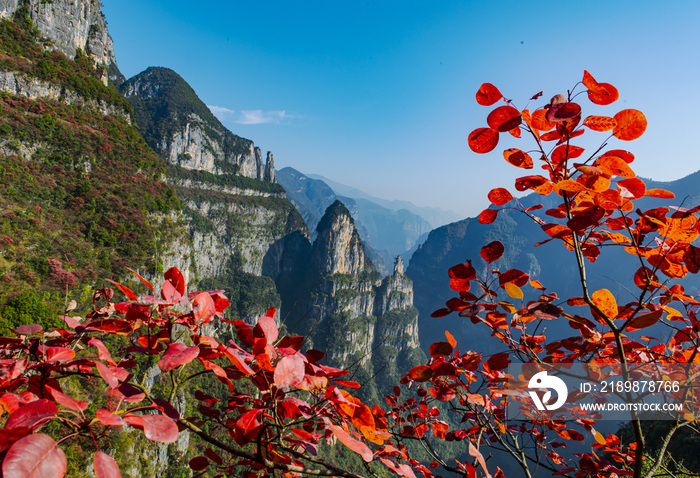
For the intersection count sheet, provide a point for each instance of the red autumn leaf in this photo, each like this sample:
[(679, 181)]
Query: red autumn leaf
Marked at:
[(28, 329), (213, 456), (174, 286), (504, 118), (614, 166), (610, 96), (128, 393), (66, 401), (473, 451), (268, 328), (31, 414), (600, 123), (626, 156), (498, 361), (518, 158), (125, 290), (159, 428), (199, 463), (440, 349), (540, 121), (529, 182), (441, 313), (487, 216), (105, 466), (644, 320), (102, 351), (176, 355), (515, 276), (483, 140), (347, 383), (488, 95), (556, 231), (606, 302), (236, 360), (289, 371), (355, 445), (590, 83), (499, 196), (691, 259), (107, 374), (515, 132), (563, 112), (59, 354), (110, 419), (35, 456), (631, 124), (659, 193), (421, 373), (460, 276), (203, 308), (563, 153), (586, 218), (144, 281), (492, 251), (631, 188), (451, 339)]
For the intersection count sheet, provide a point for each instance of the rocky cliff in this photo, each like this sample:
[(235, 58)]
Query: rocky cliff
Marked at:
[(358, 319), (182, 130), (69, 26)]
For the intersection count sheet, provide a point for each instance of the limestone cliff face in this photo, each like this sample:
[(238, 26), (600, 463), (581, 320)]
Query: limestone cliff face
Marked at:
[(71, 25), (182, 130), (338, 248), (361, 318)]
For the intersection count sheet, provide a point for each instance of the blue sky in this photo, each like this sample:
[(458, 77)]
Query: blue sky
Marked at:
[(380, 95)]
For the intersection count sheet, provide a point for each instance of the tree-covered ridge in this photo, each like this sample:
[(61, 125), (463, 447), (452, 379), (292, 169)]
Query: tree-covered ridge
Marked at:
[(163, 105), (80, 192), (21, 52)]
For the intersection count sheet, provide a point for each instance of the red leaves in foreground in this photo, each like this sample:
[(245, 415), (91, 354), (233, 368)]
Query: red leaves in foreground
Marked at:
[(35, 456), (483, 140), (488, 95)]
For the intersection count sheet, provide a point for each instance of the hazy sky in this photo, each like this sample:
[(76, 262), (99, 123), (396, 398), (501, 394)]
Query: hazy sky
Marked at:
[(380, 95)]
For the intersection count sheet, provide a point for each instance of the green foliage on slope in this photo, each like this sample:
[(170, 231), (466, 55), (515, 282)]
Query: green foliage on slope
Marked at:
[(20, 52), (80, 192)]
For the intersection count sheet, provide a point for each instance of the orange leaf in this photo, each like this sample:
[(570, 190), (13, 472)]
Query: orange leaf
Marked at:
[(518, 158), (610, 96), (606, 302), (504, 118), (563, 112), (483, 140), (451, 339), (614, 166), (626, 156), (590, 83), (499, 196), (540, 122), (492, 251), (487, 216), (632, 188), (569, 186), (631, 124), (488, 95), (600, 123), (659, 193)]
